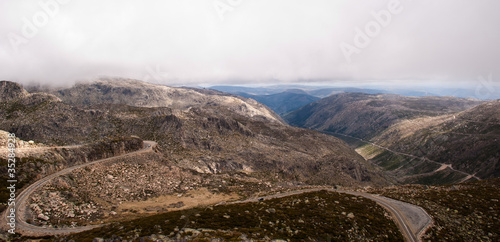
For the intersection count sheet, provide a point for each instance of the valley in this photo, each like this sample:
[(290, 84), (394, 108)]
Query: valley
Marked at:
[(425, 140), (218, 165)]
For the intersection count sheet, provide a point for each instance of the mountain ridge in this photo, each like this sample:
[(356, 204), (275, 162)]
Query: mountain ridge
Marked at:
[(142, 94), (418, 140)]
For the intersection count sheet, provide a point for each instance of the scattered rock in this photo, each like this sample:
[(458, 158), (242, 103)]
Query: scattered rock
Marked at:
[(43, 217), (192, 231), (271, 210)]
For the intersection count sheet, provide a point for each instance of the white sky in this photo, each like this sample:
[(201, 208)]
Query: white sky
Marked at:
[(185, 42)]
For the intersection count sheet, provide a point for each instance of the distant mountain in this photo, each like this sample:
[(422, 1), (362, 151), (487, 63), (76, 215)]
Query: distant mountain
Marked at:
[(142, 94), (467, 141), (413, 137), (319, 91), (325, 91), (205, 131), (250, 90), (365, 115), (283, 102)]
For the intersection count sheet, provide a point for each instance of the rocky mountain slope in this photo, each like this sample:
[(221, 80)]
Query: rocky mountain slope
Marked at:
[(142, 94), (35, 161), (466, 141), (365, 115), (427, 140), (206, 146)]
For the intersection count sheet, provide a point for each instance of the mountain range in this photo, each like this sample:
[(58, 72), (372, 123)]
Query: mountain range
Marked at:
[(203, 132), (426, 140), (185, 153)]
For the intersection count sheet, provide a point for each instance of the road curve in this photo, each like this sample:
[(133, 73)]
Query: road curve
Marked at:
[(31, 230), (408, 155), (398, 215), (407, 228)]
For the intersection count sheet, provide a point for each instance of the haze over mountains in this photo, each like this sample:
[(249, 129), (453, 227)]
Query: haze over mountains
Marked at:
[(322, 91), (283, 99)]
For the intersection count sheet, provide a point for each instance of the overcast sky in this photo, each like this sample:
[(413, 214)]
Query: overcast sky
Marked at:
[(193, 42)]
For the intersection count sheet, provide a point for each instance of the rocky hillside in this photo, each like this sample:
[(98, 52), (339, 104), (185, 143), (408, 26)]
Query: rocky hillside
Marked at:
[(427, 140), (466, 141), (10, 91), (201, 147), (207, 139), (366, 115), (142, 94), (35, 161)]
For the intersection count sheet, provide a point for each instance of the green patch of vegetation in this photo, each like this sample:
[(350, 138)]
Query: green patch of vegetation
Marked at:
[(390, 161), (440, 178)]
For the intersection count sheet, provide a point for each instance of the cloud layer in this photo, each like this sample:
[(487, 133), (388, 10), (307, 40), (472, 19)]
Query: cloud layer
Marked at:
[(240, 41)]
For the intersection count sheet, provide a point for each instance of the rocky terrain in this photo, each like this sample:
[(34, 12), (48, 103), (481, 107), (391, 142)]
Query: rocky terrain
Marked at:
[(34, 161), (125, 188), (142, 94), (467, 211), (466, 141), (206, 151), (366, 115), (207, 140), (315, 216), (214, 147), (427, 140)]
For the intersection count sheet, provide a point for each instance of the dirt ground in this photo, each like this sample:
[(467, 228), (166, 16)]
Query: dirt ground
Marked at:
[(191, 199)]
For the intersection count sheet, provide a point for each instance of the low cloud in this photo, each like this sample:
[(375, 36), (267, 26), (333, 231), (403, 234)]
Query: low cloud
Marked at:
[(240, 41)]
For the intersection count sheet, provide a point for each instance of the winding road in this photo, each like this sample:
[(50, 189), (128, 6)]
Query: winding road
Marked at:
[(31, 230), (468, 176), (412, 220)]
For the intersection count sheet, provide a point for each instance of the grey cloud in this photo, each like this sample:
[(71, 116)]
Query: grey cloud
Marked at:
[(186, 42)]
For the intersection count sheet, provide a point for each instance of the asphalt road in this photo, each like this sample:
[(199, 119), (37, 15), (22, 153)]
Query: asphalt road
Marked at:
[(400, 211), (409, 155), (31, 230)]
